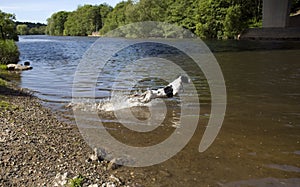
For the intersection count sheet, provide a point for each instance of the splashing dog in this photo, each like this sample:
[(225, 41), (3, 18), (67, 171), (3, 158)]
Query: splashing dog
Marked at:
[(168, 91)]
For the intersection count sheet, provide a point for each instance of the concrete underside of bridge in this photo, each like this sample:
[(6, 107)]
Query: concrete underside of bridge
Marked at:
[(277, 23)]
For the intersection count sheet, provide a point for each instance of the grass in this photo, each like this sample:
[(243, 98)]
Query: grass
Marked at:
[(3, 67), (76, 182), (9, 52), (6, 106), (3, 82)]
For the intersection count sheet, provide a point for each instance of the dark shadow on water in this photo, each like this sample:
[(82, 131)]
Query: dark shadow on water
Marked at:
[(250, 45), (6, 91)]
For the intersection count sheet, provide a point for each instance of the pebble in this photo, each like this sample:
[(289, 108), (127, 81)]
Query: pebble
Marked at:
[(36, 148)]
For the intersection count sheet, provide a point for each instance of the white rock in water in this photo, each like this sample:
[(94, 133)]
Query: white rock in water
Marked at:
[(18, 67)]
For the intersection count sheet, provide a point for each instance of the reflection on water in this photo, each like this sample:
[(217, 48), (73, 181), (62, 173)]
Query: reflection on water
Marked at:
[(259, 142)]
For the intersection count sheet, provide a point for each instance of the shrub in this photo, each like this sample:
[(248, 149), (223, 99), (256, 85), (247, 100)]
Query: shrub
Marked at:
[(77, 181), (3, 82), (9, 53)]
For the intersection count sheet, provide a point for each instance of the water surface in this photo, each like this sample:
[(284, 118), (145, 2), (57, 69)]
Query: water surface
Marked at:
[(259, 142)]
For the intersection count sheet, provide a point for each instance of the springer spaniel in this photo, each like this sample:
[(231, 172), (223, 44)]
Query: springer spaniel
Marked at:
[(168, 91)]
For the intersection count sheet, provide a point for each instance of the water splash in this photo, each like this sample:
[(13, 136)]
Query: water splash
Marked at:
[(107, 104)]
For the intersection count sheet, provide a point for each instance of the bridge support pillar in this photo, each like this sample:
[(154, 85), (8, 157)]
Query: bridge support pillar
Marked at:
[(276, 13)]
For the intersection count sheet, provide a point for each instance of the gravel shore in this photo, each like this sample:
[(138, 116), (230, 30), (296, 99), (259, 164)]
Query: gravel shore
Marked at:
[(36, 149)]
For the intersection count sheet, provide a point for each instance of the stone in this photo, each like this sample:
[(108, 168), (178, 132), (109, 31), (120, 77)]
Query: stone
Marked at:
[(94, 156), (112, 165), (108, 184), (60, 180), (93, 185), (18, 67)]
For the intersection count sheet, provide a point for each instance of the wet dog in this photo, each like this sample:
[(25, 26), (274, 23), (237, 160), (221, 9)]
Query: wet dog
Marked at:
[(168, 91)]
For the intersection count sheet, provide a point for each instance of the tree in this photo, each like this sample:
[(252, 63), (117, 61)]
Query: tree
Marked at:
[(22, 29), (55, 24), (84, 21), (226, 18), (233, 24), (117, 17), (295, 7), (152, 10), (7, 26), (183, 13), (8, 49), (219, 19), (105, 9), (210, 19)]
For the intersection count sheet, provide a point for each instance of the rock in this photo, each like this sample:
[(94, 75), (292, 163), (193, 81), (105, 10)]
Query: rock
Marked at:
[(98, 155), (165, 173), (27, 63), (112, 177), (93, 185), (60, 180), (18, 67), (94, 156), (108, 184), (112, 165)]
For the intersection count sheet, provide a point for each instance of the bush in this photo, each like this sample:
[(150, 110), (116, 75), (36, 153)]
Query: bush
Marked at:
[(9, 53), (233, 24), (76, 182)]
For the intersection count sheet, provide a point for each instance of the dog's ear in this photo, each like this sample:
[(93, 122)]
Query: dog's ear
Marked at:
[(169, 91)]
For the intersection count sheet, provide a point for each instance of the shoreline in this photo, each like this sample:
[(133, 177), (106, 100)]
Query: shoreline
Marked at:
[(38, 150), (281, 34)]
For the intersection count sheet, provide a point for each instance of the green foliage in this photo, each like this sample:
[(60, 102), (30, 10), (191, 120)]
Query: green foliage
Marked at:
[(3, 67), (219, 19), (6, 105), (233, 23), (22, 29), (27, 28), (7, 26), (3, 82), (81, 22), (295, 7), (183, 13), (255, 24), (56, 24), (150, 29), (77, 181), (9, 52), (117, 17), (84, 21), (210, 22), (40, 30), (223, 19)]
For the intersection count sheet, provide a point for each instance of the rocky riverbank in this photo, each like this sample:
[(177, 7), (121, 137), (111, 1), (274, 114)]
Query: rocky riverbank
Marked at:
[(36, 149)]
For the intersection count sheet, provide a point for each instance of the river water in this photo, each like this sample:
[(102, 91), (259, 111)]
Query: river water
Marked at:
[(259, 142)]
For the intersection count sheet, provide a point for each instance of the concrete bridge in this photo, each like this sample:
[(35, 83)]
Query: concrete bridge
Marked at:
[(276, 14), (277, 23)]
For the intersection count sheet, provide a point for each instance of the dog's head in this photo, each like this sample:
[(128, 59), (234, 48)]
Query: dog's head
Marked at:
[(184, 79)]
